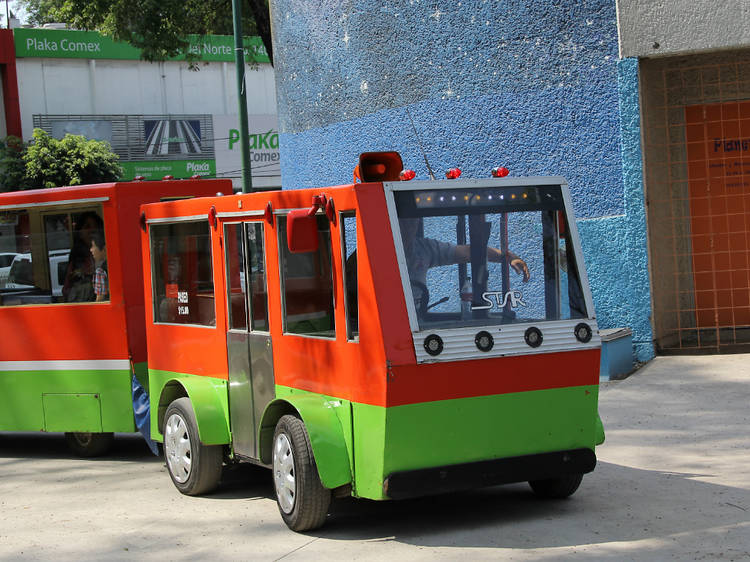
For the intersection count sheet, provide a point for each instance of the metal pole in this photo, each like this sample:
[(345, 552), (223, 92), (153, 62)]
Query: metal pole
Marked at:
[(239, 61)]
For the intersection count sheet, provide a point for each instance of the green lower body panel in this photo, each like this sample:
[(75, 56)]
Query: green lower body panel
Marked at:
[(468, 430), (209, 398), (66, 400)]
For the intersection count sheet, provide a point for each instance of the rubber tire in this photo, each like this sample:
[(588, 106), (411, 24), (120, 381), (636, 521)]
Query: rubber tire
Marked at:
[(90, 444), (312, 499), (206, 460), (557, 488)]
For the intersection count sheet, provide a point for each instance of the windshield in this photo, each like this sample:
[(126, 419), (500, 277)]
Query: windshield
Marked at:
[(484, 256)]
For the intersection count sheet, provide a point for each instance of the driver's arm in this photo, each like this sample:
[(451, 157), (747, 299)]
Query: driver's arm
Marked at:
[(463, 255)]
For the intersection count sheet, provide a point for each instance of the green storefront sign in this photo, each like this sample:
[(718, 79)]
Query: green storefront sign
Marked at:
[(179, 169), (68, 44)]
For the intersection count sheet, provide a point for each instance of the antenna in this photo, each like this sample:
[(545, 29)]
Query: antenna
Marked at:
[(424, 155)]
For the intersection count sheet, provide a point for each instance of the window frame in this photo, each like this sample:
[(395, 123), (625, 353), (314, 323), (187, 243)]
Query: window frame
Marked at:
[(391, 188), (283, 248), (37, 213), (248, 294), (166, 222), (349, 213)]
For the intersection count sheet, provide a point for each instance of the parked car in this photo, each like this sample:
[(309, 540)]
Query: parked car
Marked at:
[(21, 276), (6, 259)]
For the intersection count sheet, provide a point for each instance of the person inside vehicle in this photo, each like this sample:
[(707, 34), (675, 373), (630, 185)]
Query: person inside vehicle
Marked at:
[(78, 285), (99, 253), (422, 254)]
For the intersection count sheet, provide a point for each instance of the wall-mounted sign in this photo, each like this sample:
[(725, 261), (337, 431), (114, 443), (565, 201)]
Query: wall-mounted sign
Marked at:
[(70, 44), (179, 169), (718, 163), (264, 149)]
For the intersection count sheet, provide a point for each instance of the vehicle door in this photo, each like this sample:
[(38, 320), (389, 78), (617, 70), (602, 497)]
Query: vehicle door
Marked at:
[(249, 350)]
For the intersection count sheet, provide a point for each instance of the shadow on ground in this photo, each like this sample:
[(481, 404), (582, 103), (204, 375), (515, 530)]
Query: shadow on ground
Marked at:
[(128, 447)]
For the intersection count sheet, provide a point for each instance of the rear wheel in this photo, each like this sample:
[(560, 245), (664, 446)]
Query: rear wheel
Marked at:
[(302, 499), (195, 468), (90, 444), (557, 488)]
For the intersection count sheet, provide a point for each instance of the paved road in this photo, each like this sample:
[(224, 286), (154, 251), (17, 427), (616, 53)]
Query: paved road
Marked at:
[(673, 482)]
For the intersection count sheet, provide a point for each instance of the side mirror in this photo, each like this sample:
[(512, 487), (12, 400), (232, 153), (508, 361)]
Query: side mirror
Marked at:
[(301, 231)]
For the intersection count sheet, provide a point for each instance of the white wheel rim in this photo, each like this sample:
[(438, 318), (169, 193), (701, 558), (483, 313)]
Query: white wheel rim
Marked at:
[(177, 448), (283, 473)]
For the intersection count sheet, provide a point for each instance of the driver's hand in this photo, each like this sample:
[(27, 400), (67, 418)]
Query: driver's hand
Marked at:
[(520, 267)]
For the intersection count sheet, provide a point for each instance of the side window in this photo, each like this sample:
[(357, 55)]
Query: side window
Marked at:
[(49, 256), (307, 285), (182, 275), (349, 249), (241, 281), (257, 282), (235, 259)]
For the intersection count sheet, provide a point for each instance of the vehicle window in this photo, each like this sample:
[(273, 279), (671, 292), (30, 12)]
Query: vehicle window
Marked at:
[(307, 285), (236, 288), (462, 249), (257, 283), (182, 274), (349, 249), (51, 259), (241, 281)]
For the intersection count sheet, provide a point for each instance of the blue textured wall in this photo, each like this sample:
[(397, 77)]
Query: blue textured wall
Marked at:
[(530, 85)]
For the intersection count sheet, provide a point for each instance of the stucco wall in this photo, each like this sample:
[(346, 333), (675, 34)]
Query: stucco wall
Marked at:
[(532, 86), (658, 27)]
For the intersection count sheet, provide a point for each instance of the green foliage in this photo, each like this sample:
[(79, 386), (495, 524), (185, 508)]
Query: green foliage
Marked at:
[(12, 168), (157, 27), (74, 160)]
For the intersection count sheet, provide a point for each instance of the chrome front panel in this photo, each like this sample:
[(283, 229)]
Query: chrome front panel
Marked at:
[(458, 343)]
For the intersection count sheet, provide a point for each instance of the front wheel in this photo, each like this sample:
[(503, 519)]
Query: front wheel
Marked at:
[(557, 488), (195, 468), (302, 499), (90, 444)]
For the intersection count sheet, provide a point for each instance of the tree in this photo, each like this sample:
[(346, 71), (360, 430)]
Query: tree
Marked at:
[(158, 28), (12, 167), (74, 160)]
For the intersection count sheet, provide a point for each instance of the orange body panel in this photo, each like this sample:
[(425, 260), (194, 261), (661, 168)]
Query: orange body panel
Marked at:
[(503, 375), (380, 369), (350, 370), (107, 330)]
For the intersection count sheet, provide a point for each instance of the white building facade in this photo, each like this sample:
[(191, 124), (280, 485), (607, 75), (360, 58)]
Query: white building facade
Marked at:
[(175, 118)]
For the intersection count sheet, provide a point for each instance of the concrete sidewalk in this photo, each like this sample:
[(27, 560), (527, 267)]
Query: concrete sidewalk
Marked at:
[(672, 483), (677, 460)]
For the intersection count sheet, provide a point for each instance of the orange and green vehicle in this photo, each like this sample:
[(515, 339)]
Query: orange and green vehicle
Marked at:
[(384, 339), (68, 354)]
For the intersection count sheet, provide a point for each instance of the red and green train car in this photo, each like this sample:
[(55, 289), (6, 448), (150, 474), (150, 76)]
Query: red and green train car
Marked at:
[(384, 339), (66, 359)]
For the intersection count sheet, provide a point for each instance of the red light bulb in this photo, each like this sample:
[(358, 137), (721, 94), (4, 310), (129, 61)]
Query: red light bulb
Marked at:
[(453, 173), (500, 172), (407, 175)]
